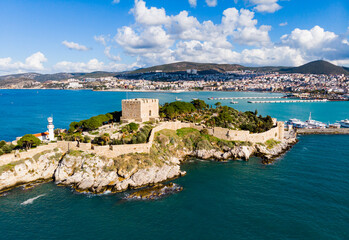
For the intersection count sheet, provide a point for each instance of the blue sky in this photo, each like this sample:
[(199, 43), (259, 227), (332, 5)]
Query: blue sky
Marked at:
[(89, 35)]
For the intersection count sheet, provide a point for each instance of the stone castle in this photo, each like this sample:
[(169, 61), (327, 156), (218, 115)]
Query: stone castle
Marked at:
[(140, 110)]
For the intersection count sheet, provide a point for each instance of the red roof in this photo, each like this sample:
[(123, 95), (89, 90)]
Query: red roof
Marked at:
[(41, 134)]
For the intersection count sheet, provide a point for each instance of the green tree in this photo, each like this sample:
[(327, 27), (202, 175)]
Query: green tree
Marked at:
[(28, 141), (218, 104), (199, 104)]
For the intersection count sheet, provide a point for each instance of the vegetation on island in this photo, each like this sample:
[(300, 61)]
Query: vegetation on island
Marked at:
[(221, 116), (5, 147), (28, 141)]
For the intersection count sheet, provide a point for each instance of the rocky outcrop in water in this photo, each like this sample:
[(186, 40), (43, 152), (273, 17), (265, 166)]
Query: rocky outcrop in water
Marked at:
[(97, 174), (155, 192), (39, 168)]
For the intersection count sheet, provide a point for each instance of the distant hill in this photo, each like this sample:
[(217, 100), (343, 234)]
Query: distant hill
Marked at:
[(183, 66), (53, 77), (317, 67)]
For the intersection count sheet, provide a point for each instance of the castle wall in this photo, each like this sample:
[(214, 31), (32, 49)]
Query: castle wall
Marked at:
[(8, 158), (276, 133)]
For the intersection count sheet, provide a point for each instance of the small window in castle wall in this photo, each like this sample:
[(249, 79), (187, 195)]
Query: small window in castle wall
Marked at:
[(276, 134)]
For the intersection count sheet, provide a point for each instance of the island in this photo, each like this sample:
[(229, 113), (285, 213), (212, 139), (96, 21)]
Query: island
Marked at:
[(141, 146)]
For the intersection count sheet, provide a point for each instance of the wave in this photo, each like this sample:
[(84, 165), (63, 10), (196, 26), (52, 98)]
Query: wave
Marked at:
[(31, 200)]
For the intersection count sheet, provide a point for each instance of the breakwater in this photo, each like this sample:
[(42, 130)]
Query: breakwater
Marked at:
[(232, 98), (291, 101), (325, 131)]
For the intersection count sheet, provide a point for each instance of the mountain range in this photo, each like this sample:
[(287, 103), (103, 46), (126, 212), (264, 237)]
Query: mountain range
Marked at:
[(316, 67)]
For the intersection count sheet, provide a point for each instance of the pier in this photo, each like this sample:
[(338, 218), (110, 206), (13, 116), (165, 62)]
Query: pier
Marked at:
[(323, 131), (233, 98), (291, 101)]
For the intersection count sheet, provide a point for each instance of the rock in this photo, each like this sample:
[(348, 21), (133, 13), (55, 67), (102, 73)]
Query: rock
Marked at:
[(155, 192), (24, 171)]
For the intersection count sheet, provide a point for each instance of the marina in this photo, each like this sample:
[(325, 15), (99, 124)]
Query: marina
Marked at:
[(291, 101), (334, 128)]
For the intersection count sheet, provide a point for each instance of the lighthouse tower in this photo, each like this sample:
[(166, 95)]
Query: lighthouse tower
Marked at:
[(50, 128)]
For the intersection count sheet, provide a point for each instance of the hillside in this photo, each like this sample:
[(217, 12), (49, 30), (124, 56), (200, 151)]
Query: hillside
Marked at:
[(317, 67), (53, 77), (183, 66)]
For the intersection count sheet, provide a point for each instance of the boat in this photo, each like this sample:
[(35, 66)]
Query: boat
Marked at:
[(194, 99), (296, 123), (315, 124), (344, 123), (178, 99), (232, 102)]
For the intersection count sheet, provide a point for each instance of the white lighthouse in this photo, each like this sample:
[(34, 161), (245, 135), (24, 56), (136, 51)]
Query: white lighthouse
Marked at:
[(50, 128)]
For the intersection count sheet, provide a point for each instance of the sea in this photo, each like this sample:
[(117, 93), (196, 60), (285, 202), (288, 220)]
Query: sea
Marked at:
[(304, 194)]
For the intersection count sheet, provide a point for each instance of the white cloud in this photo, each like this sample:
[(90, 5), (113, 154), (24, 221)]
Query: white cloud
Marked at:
[(193, 3), (115, 1), (111, 56), (211, 3), (92, 65), (101, 39), (316, 38), (31, 63), (155, 33), (283, 24), (149, 16), (75, 46), (268, 6), (152, 39)]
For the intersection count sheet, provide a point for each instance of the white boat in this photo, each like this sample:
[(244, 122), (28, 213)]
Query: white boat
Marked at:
[(315, 124), (344, 123), (194, 99), (178, 99), (232, 102), (296, 123)]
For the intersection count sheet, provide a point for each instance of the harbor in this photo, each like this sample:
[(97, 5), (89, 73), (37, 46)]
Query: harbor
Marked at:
[(312, 126), (291, 101)]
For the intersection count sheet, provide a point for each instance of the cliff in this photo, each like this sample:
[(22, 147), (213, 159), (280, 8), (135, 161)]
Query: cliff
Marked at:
[(95, 173)]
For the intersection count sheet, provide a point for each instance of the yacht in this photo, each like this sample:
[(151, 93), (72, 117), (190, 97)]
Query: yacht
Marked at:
[(344, 123), (315, 124), (296, 123), (233, 102), (178, 99)]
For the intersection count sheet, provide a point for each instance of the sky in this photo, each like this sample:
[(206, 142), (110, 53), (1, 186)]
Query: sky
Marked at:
[(49, 36)]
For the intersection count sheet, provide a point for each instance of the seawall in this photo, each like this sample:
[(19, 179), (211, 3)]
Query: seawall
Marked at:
[(326, 131)]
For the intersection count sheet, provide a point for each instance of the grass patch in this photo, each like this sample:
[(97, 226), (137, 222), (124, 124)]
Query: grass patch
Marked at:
[(271, 143), (75, 153), (11, 166)]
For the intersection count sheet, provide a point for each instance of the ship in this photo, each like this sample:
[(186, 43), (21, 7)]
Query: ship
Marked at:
[(314, 124), (344, 123)]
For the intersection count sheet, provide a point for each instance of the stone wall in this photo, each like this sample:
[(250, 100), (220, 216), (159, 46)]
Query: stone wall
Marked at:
[(276, 133), (8, 158)]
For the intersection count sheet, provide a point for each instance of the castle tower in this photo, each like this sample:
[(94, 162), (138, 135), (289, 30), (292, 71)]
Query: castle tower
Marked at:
[(50, 128), (140, 110)]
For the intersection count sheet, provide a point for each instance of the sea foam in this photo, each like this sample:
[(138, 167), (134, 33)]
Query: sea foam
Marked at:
[(31, 200)]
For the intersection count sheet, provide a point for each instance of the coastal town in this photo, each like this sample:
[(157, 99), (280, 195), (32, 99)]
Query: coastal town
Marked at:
[(306, 86)]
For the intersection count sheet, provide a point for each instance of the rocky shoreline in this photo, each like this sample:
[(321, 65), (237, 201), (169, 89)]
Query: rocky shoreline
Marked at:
[(96, 174)]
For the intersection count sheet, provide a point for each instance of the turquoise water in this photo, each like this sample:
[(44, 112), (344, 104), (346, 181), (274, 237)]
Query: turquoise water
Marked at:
[(303, 195), (23, 111)]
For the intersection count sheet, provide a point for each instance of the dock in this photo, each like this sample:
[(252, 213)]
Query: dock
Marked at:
[(291, 101), (324, 131), (233, 98)]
